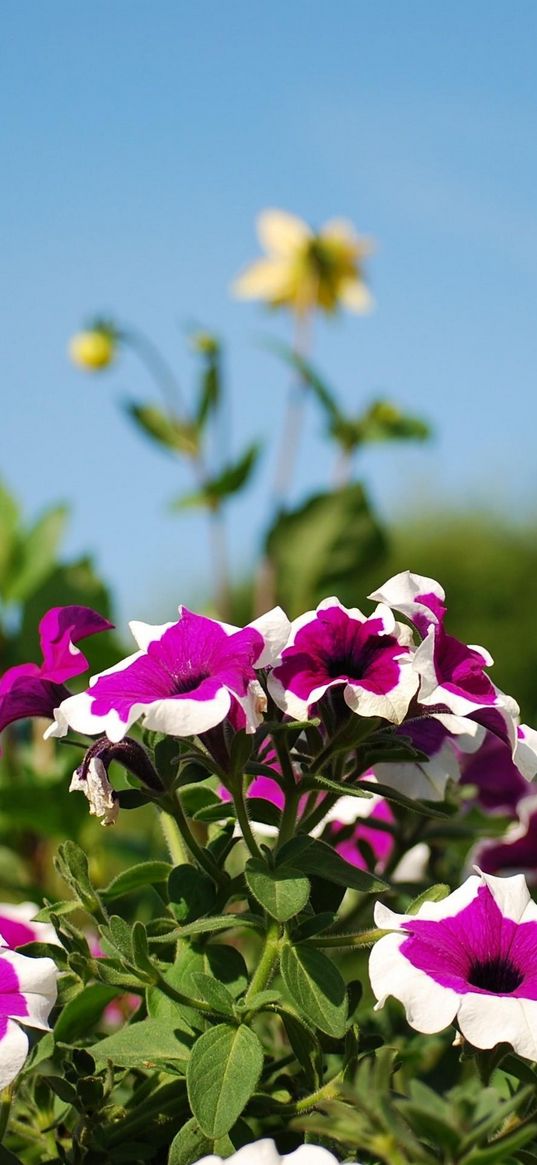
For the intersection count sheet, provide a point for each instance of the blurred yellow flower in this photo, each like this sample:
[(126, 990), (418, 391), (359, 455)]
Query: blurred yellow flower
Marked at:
[(93, 349), (304, 270)]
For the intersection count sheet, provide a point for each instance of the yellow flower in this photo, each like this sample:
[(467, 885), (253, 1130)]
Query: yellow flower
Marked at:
[(93, 349), (304, 270)]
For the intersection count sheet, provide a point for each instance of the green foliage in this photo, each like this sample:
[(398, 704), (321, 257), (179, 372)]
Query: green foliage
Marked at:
[(229, 481), (283, 892), (222, 1073), (316, 988), (322, 547), (168, 432)]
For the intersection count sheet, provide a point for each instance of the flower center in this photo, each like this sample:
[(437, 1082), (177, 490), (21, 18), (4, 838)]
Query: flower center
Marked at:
[(189, 683), (499, 975)]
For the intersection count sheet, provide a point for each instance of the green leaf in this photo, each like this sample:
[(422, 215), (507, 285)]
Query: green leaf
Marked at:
[(9, 522), (81, 1014), (322, 547), (210, 387), (222, 1074), (213, 993), (397, 798), (189, 1145), (179, 436), (35, 555), (433, 894), (220, 922), (143, 1045), (282, 892), (384, 421), (309, 375), (229, 481), (312, 856), (306, 1047), (72, 866), (191, 893), (316, 988), (136, 878)]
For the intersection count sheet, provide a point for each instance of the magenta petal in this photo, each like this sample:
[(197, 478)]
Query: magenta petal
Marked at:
[(59, 630), (12, 1001), (23, 695)]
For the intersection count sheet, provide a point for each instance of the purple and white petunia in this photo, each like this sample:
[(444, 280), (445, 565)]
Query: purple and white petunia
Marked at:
[(28, 989), (516, 850), (265, 1153), (368, 657), (185, 678), (17, 926), (31, 689), (451, 674), (469, 959)]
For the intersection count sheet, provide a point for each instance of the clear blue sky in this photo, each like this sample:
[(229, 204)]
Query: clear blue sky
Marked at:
[(138, 142)]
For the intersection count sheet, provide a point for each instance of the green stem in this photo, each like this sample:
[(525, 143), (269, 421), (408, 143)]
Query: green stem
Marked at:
[(266, 963), (365, 939), (174, 841), (198, 852), (328, 1091), (243, 819), (288, 825), (186, 1000), (5, 1107)]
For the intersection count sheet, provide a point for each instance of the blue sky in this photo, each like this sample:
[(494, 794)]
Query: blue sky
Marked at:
[(140, 140)]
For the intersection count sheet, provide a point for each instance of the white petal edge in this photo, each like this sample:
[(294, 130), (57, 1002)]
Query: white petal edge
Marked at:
[(13, 1052), (429, 1007)]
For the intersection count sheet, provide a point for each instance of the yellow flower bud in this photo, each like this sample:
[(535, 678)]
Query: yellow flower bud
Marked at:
[(93, 350)]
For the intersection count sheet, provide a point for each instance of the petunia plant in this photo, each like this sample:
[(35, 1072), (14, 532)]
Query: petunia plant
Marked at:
[(308, 968)]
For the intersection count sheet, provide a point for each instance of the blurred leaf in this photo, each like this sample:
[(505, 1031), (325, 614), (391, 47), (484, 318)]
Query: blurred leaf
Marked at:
[(189, 1145), (9, 522), (321, 548), (384, 421), (81, 1014), (230, 481), (179, 436), (35, 555), (210, 387), (309, 375)]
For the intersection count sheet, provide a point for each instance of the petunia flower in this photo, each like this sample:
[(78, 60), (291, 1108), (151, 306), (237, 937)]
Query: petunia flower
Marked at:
[(452, 674), (185, 678), (17, 927), (367, 657), (516, 850), (27, 995), (31, 689), (304, 270), (470, 959), (265, 1153)]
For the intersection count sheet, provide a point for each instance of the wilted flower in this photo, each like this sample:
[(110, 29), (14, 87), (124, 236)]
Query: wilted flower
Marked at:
[(303, 269), (28, 994), (368, 658), (185, 678), (470, 959), (93, 349), (32, 689)]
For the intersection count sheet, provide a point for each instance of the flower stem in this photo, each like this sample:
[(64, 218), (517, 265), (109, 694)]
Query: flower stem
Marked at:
[(365, 939), (200, 854), (266, 963), (5, 1108), (288, 825), (173, 838), (243, 819), (328, 1091)]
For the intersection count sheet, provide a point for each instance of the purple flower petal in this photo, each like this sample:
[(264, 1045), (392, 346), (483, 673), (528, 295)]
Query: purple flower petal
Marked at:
[(59, 630)]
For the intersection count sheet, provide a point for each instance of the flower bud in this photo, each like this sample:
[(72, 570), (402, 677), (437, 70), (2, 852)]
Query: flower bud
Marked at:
[(94, 349)]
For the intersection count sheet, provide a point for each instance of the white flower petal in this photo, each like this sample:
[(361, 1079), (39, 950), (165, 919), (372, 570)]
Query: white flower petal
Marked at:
[(511, 895), (187, 717), (487, 1020), (401, 591), (355, 296), (37, 979), (429, 1007), (275, 628), (387, 919), (144, 634), (281, 233), (13, 1052), (264, 279)]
